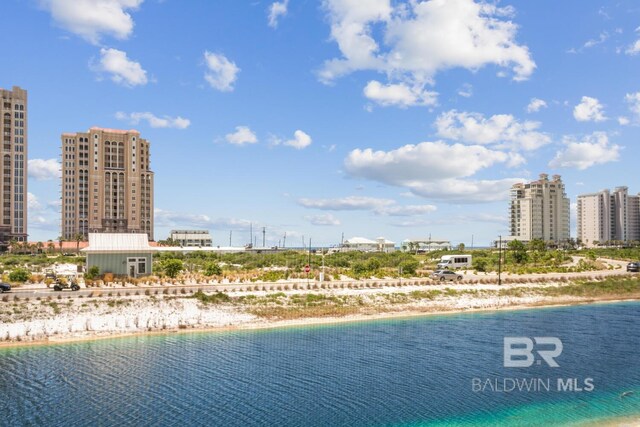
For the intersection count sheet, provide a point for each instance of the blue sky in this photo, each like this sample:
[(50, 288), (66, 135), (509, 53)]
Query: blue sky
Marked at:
[(316, 118)]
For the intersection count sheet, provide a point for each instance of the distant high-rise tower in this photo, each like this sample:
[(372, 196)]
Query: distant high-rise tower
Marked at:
[(608, 216), (13, 193), (540, 210), (107, 183)]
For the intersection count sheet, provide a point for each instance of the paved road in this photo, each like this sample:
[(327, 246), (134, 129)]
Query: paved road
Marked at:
[(301, 284)]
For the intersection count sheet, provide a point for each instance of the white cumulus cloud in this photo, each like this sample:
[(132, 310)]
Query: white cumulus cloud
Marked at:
[(166, 218), (633, 100), (536, 105), (92, 19), (242, 135), (407, 210), (277, 10), (386, 207), (500, 130), (44, 169), (399, 94), (634, 48), (589, 110), (435, 170), (32, 202), (415, 40), (325, 220), (122, 70), (594, 149), (350, 203), (153, 120), (300, 140), (221, 73)]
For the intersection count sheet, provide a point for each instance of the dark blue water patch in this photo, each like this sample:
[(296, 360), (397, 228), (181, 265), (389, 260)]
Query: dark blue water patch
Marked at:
[(395, 372)]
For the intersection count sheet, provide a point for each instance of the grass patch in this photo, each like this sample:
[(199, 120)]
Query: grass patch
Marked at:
[(217, 298)]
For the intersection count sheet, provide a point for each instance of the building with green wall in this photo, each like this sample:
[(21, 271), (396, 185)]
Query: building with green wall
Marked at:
[(122, 254)]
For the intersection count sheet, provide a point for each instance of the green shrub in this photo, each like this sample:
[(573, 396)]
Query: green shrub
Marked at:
[(94, 272), (19, 275), (218, 297)]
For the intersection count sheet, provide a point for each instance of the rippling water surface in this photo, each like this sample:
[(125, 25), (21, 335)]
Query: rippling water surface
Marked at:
[(403, 372)]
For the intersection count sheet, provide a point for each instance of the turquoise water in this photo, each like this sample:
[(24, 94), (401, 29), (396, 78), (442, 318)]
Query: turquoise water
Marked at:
[(402, 372)]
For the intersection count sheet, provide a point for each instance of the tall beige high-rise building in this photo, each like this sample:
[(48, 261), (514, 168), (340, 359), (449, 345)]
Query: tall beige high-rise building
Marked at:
[(540, 210), (608, 216), (13, 193), (107, 183)]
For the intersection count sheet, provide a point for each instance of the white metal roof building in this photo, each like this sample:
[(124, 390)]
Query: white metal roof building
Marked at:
[(189, 238), (121, 254), (118, 242), (367, 245), (426, 245)]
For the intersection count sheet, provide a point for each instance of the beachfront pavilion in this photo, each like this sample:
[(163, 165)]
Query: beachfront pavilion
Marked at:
[(122, 254)]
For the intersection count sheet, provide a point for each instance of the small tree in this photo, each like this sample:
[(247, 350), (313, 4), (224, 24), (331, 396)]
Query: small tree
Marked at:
[(60, 240), (212, 269), (172, 267), (461, 247), (518, 251)]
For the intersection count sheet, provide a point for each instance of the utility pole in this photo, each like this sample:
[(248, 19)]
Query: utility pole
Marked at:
[(230, 234), (264, 231), (250, 233), (308, 261), (500, 261), (322, 276), (284, 240), (472, 241)]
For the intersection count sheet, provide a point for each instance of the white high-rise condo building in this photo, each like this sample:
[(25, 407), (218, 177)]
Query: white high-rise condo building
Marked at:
[(107, 183), (13, 193), (606, 217), (540, 210)]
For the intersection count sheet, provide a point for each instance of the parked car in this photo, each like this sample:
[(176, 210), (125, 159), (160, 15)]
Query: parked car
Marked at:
[(443, 275), (4, 287), (633, 267)]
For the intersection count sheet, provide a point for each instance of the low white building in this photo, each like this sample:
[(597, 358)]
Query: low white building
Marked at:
[(192, 238), (505, 240), (368, 245), (425, 245)]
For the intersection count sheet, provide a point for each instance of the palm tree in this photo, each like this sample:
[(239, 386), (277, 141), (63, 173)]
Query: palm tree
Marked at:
[(78, 238), (39, 247), (13, 245), (50, 246), (60, 240)]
